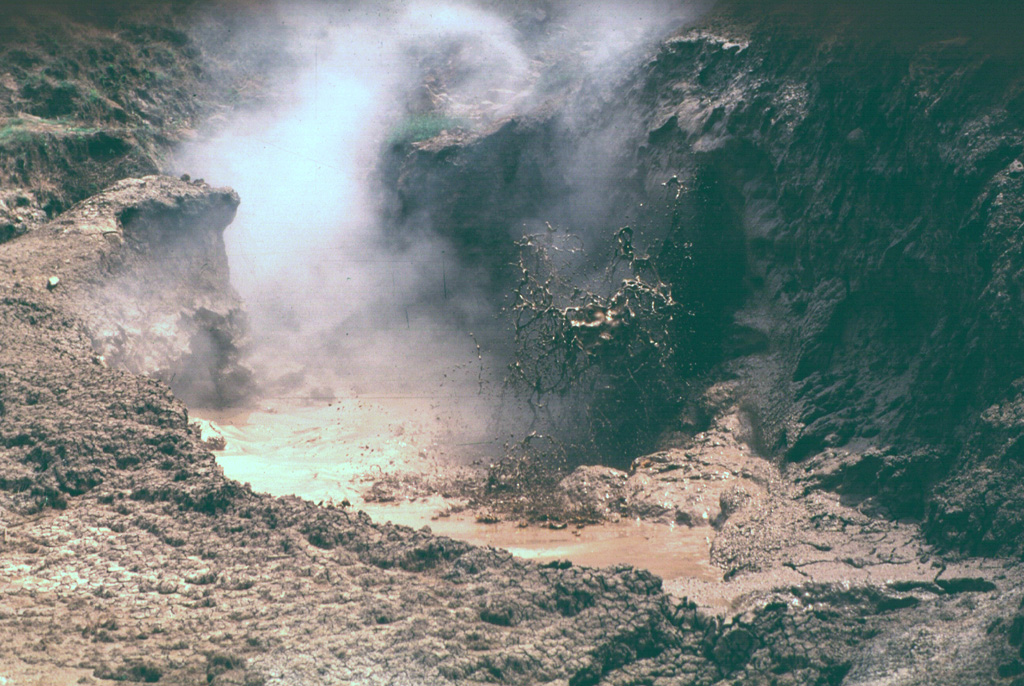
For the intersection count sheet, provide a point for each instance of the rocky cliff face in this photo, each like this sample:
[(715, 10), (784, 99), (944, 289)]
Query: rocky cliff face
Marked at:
[(880, 191), (854, 207), (143, 266)]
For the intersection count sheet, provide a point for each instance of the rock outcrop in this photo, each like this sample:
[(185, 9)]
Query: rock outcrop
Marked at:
[(143, 266), (881, 220)]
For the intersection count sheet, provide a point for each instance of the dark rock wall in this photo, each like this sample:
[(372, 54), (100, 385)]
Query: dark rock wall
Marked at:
[(853, 207), (479, 193), (881, 193)]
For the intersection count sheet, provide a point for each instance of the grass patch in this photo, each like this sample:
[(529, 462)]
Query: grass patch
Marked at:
[(18, 131), (14, 132), (422, 127)]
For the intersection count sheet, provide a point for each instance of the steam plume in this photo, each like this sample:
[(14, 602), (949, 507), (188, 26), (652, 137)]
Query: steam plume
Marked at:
[(330, 300)]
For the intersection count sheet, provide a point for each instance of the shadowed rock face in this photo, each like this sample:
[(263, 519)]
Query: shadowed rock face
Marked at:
[(854, 205), (881, 193)]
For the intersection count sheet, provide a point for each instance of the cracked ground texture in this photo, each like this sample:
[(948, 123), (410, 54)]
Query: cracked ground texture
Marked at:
[(127, 555)]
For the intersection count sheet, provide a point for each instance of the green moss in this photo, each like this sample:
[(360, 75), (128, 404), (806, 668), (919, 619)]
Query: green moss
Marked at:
[(15, 133), (422, 127)]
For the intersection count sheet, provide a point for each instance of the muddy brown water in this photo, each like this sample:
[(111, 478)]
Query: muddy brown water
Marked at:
[(337, 450)]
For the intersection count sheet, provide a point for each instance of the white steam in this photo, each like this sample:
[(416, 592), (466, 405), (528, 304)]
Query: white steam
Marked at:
[(330, 303)]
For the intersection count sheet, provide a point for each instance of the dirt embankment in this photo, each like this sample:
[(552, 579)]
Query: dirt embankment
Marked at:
[(143, 265), (879, 186), (91, 93)]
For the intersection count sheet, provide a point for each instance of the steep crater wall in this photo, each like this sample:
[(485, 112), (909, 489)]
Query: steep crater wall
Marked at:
[(853, 210), (881, 190)]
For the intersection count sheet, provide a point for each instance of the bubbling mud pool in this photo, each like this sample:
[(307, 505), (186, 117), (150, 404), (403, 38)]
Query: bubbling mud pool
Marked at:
[(346, 449)]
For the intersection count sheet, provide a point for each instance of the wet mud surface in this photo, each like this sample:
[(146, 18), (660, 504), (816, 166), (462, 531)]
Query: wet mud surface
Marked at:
[(374, 456)]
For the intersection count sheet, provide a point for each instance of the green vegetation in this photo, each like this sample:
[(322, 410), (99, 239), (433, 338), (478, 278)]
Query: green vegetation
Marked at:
[(422, 127), (14, 132), (19, 131), (33, 83)]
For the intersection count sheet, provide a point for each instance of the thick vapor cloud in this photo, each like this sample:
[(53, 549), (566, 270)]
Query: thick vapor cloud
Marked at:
[(332, 304)]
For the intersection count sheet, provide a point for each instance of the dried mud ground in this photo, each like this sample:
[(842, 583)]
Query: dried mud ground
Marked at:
[(127, 555)]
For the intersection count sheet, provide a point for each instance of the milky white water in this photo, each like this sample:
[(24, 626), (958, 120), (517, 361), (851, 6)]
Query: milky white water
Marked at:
[(337, 450)]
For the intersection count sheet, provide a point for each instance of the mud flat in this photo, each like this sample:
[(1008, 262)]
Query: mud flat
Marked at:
[(341, 451)]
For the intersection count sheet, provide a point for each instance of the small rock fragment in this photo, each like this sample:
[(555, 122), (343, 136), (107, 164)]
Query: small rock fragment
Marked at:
[(52, 282)]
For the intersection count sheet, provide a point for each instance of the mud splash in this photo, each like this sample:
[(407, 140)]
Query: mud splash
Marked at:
[(344, 449)]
